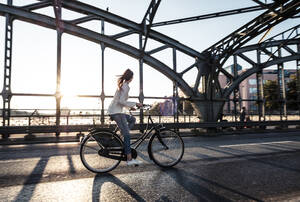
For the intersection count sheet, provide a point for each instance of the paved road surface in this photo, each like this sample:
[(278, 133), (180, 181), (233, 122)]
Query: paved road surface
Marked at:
[(256, 167)]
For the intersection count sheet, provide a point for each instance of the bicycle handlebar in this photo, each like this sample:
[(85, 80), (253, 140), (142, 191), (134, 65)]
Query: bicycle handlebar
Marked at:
[(146, 106)]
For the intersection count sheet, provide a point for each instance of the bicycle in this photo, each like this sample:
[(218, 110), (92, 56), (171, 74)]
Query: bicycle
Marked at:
[(102, 149)]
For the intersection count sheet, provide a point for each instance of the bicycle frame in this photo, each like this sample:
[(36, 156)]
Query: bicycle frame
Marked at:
[(156, 127), (146, 133)]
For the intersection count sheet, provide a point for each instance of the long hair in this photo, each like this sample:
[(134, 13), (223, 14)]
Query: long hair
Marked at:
[(126, 76)]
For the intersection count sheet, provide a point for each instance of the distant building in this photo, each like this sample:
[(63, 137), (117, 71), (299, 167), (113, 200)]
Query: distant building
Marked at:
[(248, 87), (166, 108)]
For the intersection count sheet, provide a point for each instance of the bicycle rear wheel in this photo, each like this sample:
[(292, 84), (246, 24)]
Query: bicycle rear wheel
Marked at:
[(166, 148), (95, 149)]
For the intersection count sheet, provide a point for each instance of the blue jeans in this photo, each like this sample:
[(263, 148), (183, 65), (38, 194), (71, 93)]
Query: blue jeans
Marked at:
[(125, 122)]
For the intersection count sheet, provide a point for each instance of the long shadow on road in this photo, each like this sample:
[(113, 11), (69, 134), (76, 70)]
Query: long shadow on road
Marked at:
[(27, 191), (100, 179), (201, 187)]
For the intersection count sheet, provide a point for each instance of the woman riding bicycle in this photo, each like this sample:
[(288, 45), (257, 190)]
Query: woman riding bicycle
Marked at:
[(124, 121)]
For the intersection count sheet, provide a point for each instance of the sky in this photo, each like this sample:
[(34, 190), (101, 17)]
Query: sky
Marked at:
[(34, 51)]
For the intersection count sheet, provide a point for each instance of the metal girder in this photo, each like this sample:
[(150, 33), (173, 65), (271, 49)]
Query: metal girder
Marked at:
[(265, 6), (49, 22), (241, 55), (259, 66), (148, 20), (287, 34), (38, 5), (122, 34), (188, 69), (267, 44), (157, 49), (211, 15), (6, 91), (59, 29), (227, 46), (84, 19), (129, 25), (250, 31)]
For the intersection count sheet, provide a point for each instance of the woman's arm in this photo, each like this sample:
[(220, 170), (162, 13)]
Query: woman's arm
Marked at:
[(124, 96)]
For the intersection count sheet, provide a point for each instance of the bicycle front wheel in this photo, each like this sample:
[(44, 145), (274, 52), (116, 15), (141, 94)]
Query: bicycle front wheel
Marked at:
[(166, 148), (97, 150)]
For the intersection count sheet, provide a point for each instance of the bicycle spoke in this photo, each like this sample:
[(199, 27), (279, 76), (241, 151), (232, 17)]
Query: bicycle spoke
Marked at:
[(166, 148), (101, 141)]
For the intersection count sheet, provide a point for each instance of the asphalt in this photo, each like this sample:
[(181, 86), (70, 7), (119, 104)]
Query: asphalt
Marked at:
[(20, 139), (247, 167)]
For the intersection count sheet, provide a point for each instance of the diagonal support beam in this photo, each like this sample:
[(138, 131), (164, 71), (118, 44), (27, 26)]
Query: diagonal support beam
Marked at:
[(36, 6), (148, 20), (223, 49), (241, 55), (84, 19), (270, 54), (188, 69), (122, 34), (156, 50), (288, 49)]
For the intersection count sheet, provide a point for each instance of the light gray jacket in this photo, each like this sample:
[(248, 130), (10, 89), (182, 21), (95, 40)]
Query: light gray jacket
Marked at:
[(120, 100)]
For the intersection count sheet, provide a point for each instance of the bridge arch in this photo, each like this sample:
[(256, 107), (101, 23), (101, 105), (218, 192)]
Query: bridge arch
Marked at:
[(92, 36), (207, 63)]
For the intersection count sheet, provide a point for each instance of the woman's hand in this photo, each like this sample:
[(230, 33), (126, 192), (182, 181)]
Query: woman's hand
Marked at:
[(132, 109), (139, 104)]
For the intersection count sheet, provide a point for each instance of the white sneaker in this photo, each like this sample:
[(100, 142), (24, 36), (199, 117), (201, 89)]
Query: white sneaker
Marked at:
[(134, 162)]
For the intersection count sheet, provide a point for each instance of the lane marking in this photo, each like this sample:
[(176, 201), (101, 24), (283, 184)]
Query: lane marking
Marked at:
[(261, 143)]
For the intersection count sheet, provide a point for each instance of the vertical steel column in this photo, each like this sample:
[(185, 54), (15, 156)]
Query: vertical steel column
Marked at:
[(298, 79), (281, 88), (298, 83), (6, 92), (228, 100), (260, 89), (175, 89), (236, 91), (58, 96), (141, 78), (102, 96)]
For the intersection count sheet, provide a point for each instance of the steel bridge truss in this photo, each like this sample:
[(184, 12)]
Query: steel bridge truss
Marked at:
[(209, 64)]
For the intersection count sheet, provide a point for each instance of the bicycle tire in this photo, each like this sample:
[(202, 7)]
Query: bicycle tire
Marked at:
[(95, 143), (166, 148)]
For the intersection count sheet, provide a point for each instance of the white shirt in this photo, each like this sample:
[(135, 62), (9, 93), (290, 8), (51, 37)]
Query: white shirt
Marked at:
[(120, 100)]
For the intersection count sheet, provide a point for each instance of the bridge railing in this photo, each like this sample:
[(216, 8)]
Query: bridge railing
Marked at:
[(81, 121)]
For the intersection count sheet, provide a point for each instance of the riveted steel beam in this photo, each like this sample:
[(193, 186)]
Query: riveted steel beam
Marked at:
[(38, 5), (59, 29), (84, 19), (148, 20), (129, 25), (211, 15), (256, 69), (6, 91), (84, 33), (227, 46)]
